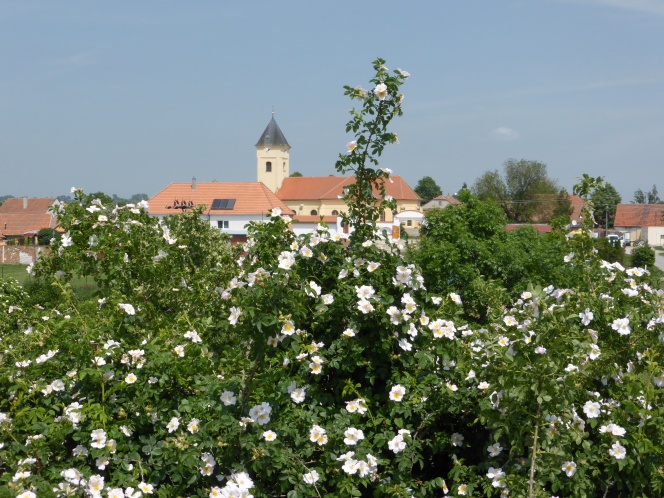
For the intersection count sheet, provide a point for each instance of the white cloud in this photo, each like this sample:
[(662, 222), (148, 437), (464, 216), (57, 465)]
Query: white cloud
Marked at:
[(504, 133)]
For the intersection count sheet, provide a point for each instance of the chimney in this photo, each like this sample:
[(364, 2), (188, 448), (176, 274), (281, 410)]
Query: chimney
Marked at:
[(25, 203), (193, 183)]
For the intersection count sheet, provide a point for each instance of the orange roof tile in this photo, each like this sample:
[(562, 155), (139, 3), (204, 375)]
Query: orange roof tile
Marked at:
[(577, 205), (250, 198), (448, 198), (19, 216), (639, 215), (331, 187)]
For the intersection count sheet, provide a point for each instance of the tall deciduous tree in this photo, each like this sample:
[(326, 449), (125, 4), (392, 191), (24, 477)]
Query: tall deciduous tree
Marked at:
[(427, 189), (490, 187), (605, 198), (525, 191), (653, 196), (650, 197)]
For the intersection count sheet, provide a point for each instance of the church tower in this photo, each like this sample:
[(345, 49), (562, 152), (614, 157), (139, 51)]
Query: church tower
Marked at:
[(272, 156)]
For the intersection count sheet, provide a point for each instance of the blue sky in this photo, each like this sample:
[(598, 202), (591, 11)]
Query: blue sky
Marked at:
[(127, 97)]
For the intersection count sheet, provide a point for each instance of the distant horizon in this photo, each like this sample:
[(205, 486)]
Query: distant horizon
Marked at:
[(129, 98)]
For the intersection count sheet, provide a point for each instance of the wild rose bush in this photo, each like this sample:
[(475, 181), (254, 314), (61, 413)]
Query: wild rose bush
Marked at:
[(319, 365)]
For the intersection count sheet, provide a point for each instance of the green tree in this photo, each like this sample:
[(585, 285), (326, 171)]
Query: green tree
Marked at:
[(643, 257), (490, 187), (296, 174), (650, 197), (605, 199), (563, 206), (465, 249), (45, 235), (427, 189), (525, 192), (138, 198), (653, 196), (528, 185)]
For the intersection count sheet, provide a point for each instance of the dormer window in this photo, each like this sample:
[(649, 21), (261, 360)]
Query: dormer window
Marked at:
[(268, 167)]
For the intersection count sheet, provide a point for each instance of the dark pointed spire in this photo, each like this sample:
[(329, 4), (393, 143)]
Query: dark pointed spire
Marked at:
[(272, 136)]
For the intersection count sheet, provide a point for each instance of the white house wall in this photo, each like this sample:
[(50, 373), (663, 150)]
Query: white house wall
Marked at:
[(655, 236)]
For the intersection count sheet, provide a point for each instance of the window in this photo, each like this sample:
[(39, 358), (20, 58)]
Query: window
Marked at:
[(268, 167), (335, 212), (223, 204), (409, 223), (382, 216), (222, 224), (314, 212)]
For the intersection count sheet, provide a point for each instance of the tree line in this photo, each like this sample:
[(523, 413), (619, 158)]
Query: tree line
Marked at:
[(526, 193), (110, 199)]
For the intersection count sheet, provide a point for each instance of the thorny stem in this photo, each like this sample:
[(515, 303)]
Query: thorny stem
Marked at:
[(533, 457), (245, 392), (606, 491)]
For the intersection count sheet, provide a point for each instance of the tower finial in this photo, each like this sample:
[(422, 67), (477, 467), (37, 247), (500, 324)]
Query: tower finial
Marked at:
[(272, 111)]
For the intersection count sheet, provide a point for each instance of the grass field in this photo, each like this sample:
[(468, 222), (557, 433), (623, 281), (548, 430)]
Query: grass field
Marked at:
[(82, 286), (14, 271)]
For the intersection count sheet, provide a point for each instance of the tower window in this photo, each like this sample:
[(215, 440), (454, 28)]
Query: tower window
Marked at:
[(268, 167)]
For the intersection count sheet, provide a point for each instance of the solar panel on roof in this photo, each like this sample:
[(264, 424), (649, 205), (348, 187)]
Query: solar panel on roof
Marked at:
[(223, 204)]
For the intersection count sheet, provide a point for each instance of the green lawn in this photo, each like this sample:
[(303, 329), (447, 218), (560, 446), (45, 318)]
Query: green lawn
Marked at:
[(82, 286), (14, 271)]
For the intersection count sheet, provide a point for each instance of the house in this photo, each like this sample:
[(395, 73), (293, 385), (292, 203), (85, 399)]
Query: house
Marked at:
[(227, 206), (23, 217), (643, 222), (309, 200), (440, 202), (323, 196)]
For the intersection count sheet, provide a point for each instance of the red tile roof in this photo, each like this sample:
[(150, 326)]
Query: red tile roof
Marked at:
[(639, 215), (577, 205), (250, 198), (448, 198), (18, 216), (331, 187)]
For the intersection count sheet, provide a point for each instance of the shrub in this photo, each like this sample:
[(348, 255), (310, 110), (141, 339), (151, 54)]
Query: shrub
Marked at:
[(643, 257), (315, 365)]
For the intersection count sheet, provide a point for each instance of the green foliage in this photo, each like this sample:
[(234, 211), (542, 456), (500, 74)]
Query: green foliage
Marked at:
[(650, 197), (643, 257), (45, 235), (526, 192), (319, 366), (605, 199), (427, 189), (609, 252), (465, 249), (369, 127)]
